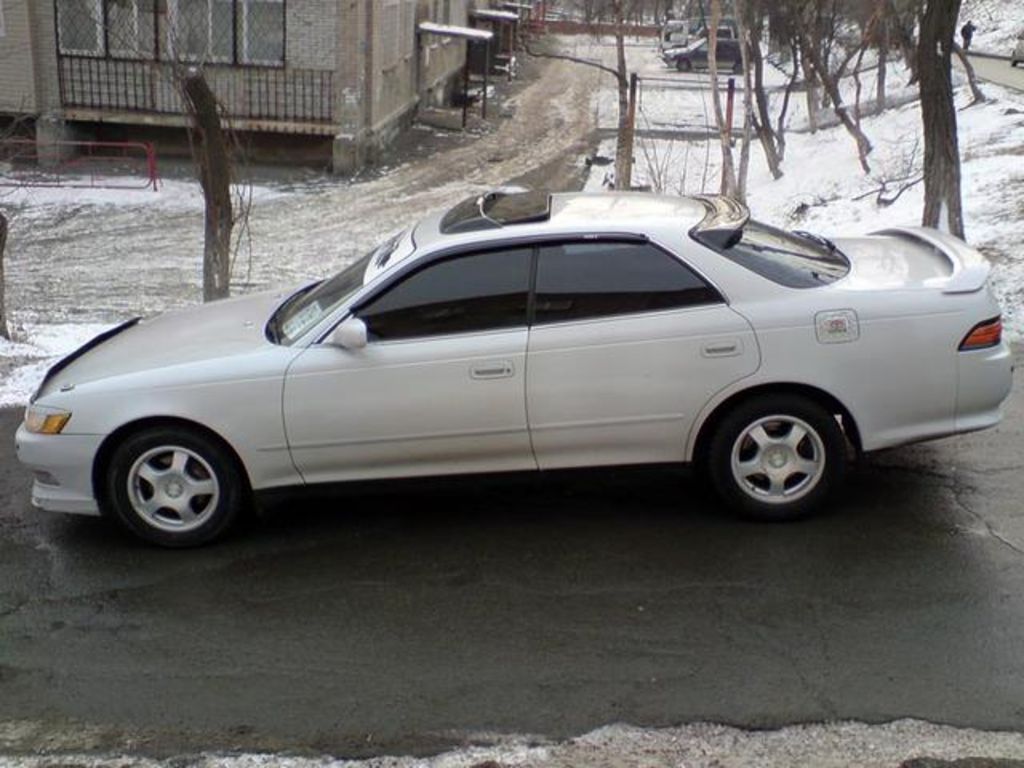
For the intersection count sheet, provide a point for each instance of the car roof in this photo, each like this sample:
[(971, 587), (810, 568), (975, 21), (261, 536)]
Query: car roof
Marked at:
[(565, 213)]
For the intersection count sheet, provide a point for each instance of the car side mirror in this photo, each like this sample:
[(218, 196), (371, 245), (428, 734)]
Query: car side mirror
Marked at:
[(350, 334)]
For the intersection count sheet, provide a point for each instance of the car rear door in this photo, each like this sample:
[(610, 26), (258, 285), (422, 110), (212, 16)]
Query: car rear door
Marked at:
[(626, 346), (439, 388)]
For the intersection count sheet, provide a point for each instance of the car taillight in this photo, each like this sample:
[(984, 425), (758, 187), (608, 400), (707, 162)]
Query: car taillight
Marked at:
[(987, 333)]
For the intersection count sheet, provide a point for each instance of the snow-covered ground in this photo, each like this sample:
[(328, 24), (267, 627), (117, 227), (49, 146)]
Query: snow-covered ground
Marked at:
[(998, 24), (80, 260), (823, 187), (700, 745)]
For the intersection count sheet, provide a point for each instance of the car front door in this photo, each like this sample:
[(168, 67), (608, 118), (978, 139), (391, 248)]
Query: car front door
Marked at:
[(626, 347), (439, 388)]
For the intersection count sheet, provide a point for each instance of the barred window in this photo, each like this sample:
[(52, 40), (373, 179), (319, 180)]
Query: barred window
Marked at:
[(262, 31), (201, 30), (214, 31), (130, 28), (80, 27)]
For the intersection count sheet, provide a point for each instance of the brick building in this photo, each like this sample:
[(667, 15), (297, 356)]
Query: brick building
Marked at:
[(353, 71)]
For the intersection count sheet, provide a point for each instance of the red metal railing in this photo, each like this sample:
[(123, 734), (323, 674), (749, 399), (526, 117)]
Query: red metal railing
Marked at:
[(101, 164)]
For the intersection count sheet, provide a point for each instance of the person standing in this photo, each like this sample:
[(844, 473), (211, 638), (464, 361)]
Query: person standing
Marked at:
[(967, 33)]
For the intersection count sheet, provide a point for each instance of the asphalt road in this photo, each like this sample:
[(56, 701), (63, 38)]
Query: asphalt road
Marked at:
[(401, 618), (998, 70)]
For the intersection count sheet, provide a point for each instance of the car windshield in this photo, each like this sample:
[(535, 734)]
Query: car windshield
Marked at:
[(793, 259), (308, 306)]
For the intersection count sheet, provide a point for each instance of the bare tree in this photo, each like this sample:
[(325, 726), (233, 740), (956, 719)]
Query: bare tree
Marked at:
[(977, 97), (942, 203), (624, 134), (728, 178), (816, 45), (213, 164), (5, 331), (750, 15)]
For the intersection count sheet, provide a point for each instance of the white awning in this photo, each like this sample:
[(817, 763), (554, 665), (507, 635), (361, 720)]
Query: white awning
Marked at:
[(491, 15), (447, 30)]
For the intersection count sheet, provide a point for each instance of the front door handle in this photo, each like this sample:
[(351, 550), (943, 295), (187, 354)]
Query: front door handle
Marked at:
[(492, 369)]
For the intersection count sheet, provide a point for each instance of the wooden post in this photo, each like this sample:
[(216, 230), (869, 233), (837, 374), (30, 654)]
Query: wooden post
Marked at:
[(465, 86), (487, 72), (730, 98)]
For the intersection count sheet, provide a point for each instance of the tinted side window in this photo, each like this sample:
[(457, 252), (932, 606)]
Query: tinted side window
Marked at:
[(481, 292), (581, 280)]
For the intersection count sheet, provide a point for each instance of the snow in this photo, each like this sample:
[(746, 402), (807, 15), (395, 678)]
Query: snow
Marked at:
[(998, 23), (699, 745), (80, 260), (824, 188)]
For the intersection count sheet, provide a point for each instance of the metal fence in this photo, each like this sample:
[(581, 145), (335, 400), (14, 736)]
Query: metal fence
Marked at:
[(106, 164), (255, 93)]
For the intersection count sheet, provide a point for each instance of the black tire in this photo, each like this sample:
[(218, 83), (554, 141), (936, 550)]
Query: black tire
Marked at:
[(737, 67), (174, 487), (684, 65), (787, 472)]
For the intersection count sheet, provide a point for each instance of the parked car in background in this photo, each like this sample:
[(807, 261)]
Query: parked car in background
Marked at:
[(1018, 52), (695, 56), (678, 33), (531, 331)]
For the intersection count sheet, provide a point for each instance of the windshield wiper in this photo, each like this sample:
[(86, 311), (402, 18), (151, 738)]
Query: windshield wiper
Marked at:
[(816, 238)]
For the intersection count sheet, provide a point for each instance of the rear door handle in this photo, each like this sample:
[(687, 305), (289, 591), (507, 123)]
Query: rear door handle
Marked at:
[(724, 348), (492, 369)]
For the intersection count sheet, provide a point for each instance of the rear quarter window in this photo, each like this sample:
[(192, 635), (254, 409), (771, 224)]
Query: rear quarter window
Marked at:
[(795, 260)]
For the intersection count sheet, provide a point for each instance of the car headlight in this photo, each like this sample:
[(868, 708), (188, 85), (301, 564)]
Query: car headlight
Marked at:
[(41, 420)]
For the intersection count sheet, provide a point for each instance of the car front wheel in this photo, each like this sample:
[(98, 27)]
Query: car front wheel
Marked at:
[(683, 65), (174, 487), (777, 458)]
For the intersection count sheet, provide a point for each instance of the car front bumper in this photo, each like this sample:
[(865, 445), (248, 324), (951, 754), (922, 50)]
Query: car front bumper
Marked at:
[(62, 466)]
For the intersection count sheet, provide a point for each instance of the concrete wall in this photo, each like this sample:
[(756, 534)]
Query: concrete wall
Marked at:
[(17, 67)]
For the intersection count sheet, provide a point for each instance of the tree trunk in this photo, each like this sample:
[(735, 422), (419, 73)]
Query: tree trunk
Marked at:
[(753, 64), (832, 89), (748, 104), (213, 162), (4, 329), (942, 204), (976, 95), (883, 66), (624, 138), (728, 180)]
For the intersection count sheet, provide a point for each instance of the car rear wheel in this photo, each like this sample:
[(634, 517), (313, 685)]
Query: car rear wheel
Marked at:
[(174, 487), (777, 458), (684, 65)]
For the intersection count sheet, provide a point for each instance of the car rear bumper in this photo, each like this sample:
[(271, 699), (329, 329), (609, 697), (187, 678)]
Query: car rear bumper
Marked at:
[(62, 465), (984, 380)]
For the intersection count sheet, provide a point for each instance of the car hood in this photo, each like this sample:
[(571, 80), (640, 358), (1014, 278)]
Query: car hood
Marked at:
[(212, 331)]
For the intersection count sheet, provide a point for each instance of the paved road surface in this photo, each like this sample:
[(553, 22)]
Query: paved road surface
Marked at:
[(400, 618), (999, 71)]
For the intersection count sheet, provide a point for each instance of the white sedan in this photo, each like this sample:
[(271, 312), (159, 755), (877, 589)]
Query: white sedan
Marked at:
[(533, 331)]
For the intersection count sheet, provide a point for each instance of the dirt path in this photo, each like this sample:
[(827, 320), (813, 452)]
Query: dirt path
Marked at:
[(85, 262)]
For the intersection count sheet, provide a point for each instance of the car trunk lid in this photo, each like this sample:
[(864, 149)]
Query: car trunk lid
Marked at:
[(913, 257)]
